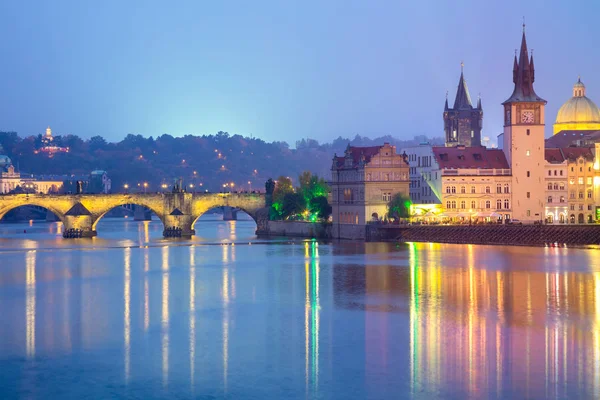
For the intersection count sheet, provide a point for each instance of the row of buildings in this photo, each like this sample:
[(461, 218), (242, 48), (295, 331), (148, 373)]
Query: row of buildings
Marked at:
[(15, 182), (528, 178)]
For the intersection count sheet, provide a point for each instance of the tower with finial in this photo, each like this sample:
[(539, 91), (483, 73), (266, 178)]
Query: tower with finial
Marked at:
[(462, 122), (523, 139)]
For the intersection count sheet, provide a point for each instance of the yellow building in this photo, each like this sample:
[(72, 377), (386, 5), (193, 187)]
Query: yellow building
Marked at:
[(363, 181), (579, 113)]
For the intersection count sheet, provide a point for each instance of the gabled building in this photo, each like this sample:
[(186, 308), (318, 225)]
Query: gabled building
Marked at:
[(463, 122), (363, 181)]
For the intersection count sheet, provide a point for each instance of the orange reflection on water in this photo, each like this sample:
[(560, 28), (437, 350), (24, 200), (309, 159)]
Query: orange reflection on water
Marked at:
[(165, 315), (30, 258)]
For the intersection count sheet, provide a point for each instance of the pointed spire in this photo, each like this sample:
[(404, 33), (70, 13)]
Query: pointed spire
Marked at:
[(446, 105), (479, 101), (523, 75), (463, 99)]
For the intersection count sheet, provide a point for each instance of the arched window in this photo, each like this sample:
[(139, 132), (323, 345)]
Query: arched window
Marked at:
[(488, 204), (448, 204), (549, 199), (463, 204), (447, 189), (562, 199), (589, 194), (580, 194), (549, 186), (498, 204), (488, 189), (506, 188), (556, 186), (453, 203), (472, 189), (463, 189), (453, 189), (506, 204), (498, 188), (473, 204)]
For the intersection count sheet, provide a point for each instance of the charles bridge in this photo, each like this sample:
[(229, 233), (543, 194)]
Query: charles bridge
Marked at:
[(179, 211)]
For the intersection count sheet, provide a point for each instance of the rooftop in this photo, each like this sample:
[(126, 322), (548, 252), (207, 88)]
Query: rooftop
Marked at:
[(470, 157)]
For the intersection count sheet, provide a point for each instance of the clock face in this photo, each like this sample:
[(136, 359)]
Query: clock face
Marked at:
[(527, 117)]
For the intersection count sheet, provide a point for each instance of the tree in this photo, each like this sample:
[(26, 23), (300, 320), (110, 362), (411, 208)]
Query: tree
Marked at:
[(399, 206), (293, 204), (283, 186), (315, 191), (96, 143), (320, 207), (269, 188)]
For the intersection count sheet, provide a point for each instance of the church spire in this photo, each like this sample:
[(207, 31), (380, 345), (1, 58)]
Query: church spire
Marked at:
[(523, 76), (446, 105), (463, 99), (479, 102)]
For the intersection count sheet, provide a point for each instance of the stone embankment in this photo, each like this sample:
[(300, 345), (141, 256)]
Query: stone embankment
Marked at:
[(512, 235), (295, 229)]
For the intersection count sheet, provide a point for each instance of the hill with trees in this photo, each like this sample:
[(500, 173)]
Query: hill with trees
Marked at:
[(206, 162)]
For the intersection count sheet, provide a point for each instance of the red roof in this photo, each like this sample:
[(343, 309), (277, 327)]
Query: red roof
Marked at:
[(356, 153), (568, 138), (558, 155), (470, 157)]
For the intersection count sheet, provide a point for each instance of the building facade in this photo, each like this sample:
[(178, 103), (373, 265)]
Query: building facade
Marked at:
[(557, 195), (524, 140), (424, 175), (363, 181), (463, 122)]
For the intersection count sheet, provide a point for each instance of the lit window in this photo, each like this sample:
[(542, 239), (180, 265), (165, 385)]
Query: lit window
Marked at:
[(580, 180), (527, 153), (473, 204)]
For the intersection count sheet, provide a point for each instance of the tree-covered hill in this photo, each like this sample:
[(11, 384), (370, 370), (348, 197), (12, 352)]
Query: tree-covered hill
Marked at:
[(207, 162)]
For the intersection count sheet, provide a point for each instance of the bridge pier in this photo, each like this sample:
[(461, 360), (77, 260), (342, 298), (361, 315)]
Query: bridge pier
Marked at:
[(78, 226), (178, 226), (229, 214)]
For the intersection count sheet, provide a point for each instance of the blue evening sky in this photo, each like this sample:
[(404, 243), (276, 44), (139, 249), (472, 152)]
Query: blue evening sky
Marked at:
[(280, 70)]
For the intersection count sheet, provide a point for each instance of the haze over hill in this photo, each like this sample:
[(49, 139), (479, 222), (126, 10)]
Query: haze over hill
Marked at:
[(207, 162)]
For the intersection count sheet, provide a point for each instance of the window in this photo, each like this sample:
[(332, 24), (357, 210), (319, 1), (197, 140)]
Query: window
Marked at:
[(572, 195), (488, 189), (488, 204), (529, 213), (472, 189), (562, 199), (589, 194), (549, 173), (556, 186), (453, 203), (347, 195), (549, 186), (473, 204), (528, 195), (580, 194), (572, 169), (447, 189), (589, 180), (589, 207), (572, 207), (589, 169), (498, 204), (562, 186), (580, 169), (549, 199), (527, 153), (506, 188), (560, 172), (453, 189), (571, 181), (463, 189), (463, 204), (369, 177), (506, 204), (581, 207), (448, 204), (472, 134), (528, 174), (498, 188), (580, 180), (528, 132)]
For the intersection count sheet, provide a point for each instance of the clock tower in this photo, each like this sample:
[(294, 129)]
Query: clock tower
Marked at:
[(523, 140)]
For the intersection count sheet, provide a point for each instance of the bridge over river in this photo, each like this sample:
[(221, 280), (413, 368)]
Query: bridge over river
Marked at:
[(177, 211)]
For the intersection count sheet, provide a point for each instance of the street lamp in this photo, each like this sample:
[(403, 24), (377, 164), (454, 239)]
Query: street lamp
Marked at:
[(249, 186), (145, 186), (191, 185), (163, 186), (126, 186)]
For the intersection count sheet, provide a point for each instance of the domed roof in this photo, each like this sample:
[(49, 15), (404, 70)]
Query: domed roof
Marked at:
[(578, 109)]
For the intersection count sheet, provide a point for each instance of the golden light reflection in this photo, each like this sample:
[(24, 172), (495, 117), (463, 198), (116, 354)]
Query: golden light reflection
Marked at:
[(165, 315), (146, 290), (30, 260), (146, 231), (192, 315), (225, 292), (479, 330), (126, 312)]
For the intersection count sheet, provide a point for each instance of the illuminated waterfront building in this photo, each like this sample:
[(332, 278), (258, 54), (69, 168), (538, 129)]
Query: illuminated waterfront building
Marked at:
[(462, 122), (363, 181)]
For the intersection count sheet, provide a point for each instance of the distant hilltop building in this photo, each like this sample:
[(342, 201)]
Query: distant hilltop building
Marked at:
[(49, 145), (463, 122)]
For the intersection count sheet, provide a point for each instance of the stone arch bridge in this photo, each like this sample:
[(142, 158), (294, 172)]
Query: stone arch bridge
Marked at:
[(175, 210)]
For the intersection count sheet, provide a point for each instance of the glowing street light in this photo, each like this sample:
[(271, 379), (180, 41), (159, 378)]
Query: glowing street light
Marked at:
[(145, 186), (126, 186)]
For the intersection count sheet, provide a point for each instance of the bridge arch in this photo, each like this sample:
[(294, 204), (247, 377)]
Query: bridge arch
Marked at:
[(158, 212), (249, 213), (60, 214)]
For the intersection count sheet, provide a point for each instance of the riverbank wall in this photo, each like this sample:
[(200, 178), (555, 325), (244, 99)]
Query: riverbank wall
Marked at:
[(510, 235), (295, 229)]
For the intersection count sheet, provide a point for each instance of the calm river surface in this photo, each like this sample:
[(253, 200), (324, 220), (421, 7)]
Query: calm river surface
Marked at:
[(225, 315)]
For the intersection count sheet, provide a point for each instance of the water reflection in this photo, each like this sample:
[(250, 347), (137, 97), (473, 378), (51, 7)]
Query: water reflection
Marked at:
[(165, 315), (192, 315), (126, 311), (311, 315), (30, 258)]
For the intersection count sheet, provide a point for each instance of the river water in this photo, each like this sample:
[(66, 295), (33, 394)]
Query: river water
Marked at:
[(226, 315)]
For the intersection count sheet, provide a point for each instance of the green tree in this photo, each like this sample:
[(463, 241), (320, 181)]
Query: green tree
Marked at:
[(399, 206), (293, 204), (315, 190), (320, 207), (283, 186)]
